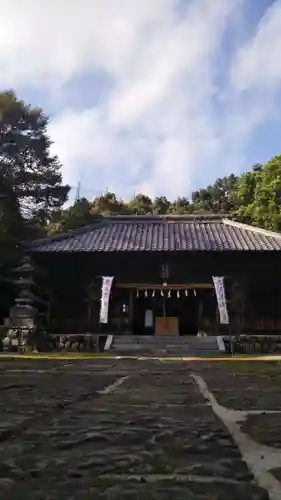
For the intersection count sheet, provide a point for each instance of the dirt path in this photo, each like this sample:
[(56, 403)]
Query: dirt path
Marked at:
[(115, 430)]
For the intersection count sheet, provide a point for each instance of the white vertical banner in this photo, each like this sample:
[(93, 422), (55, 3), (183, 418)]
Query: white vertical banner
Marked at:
[(105, 294), (221, 299)]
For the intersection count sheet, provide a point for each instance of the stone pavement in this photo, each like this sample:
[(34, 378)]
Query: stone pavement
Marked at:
[(127, 429)]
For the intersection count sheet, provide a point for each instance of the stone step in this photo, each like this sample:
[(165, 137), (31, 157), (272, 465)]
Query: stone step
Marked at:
[(168, 344), (153, 339), (150, 339), (179, 345)]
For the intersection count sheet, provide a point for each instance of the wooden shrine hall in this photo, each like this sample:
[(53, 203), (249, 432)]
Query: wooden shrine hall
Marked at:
[(162, 270)]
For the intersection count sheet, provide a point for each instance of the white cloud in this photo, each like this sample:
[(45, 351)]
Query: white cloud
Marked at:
[(89, 148), (258, 63), (255, 77), (155, 129), (47, 43)]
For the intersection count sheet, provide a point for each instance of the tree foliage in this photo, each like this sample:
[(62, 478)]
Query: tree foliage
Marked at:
[(33, 196), (31, 187), (253, 197)]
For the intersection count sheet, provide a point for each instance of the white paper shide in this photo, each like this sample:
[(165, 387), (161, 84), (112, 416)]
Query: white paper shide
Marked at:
[(221, 299), (105, 294)]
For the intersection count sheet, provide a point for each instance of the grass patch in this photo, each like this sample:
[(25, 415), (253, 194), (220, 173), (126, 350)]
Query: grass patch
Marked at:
[(265, 369), (242, 362), (67, 355)]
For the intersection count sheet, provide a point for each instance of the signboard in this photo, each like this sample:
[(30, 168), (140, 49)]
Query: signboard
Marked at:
[(148, 318), (105, 294), (221, 299)]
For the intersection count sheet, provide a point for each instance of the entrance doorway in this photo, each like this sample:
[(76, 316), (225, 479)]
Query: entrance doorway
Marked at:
[(146, 308), (185, 306), (186, 309)]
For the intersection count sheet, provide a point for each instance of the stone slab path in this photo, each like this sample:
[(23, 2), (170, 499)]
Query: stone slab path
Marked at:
[(123, 429)]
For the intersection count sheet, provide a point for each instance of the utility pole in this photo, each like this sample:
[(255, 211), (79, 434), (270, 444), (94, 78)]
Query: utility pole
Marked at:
[(77, 197)]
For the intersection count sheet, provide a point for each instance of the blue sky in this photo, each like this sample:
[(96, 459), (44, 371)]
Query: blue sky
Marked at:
[(153, 96)]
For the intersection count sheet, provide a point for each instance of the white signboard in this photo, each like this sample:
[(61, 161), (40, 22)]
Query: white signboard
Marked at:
[(105, 294), (148, 318), (221, 299)]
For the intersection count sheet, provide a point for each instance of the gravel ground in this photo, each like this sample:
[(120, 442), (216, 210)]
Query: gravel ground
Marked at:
[(150, 435)]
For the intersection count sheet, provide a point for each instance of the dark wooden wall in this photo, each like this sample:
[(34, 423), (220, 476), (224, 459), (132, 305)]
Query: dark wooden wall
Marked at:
[(68, 277), (189, 267)]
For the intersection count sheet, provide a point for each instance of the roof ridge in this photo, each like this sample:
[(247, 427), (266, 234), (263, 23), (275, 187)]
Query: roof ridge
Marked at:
[(150, 217), (254, 229)]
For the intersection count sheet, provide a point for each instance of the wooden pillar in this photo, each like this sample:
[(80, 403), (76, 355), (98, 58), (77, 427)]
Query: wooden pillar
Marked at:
[(164, 306), (49, 306), (200, 313), (217, 320), (131, 309)]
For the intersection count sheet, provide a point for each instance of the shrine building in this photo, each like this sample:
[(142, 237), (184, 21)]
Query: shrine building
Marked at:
[(162, 269)]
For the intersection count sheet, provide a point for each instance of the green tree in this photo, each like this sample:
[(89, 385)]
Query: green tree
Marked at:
[(31, 186), (76, 215), (160, 205), (11, 223), (107, 204), (140, 205), (180, 206), (217, 197), (34, 174), (254, 197), (242, 197), (259, 195)]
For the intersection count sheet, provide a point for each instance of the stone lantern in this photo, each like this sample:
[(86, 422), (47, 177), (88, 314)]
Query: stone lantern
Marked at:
[(23, 314)]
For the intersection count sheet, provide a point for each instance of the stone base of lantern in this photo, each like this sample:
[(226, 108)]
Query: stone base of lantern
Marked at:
[(21, 325)]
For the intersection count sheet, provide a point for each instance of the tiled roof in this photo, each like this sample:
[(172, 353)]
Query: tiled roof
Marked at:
[(160, 233)]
